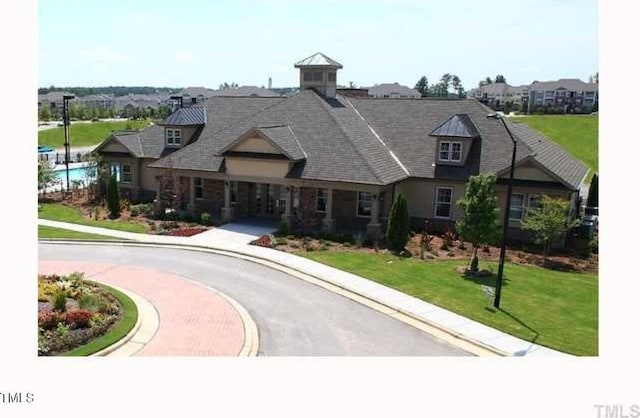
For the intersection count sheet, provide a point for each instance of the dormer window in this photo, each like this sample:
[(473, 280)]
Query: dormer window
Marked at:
[(317, 76), (174, 137), (307, 76), (451, 151)]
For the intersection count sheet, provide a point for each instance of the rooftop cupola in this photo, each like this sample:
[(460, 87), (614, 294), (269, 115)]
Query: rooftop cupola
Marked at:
[(319, 72)]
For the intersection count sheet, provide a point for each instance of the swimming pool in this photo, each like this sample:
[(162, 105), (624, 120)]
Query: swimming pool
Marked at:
[(77, 172)]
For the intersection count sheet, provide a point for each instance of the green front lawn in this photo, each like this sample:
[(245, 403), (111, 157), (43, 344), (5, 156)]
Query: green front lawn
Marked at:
[(49, 232), (555, 309), (63, 213), (86, 134), (578, 134)]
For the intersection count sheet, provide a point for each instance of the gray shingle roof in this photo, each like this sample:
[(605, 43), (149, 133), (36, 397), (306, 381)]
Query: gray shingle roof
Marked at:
[(318, 60), (196, 91), (551, 156), (388, 89), (245, 91), (187, 116), (571, 84), (363, 140), (339, 144), (457, 125), (405, 125), (147, 143), (283, 138)]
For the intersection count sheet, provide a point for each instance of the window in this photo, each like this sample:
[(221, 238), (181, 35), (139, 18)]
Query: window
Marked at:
[(317, 76), (127, 175), (444, 197), (321, 200), (365, 202), (114, 170), (450, 151), (534, 201), (173, 137), (198, 187), (194, 100), (307, 76), (332, 76), (517, 207)]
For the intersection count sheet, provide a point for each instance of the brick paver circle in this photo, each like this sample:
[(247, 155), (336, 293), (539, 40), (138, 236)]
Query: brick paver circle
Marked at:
[(194, 320)]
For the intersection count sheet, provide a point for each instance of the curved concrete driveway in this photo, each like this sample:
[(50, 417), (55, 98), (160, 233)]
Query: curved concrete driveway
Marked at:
[(294, 318)]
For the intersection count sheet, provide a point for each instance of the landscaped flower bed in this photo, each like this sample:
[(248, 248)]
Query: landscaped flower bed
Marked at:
[(73, 311), (185, 232)]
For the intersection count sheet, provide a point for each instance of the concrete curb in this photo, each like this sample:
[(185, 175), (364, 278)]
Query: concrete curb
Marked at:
[(436, 330), (142, 332)]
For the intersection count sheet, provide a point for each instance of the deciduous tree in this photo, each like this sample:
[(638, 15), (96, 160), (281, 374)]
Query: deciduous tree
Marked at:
[(479, 224), (549, 221)]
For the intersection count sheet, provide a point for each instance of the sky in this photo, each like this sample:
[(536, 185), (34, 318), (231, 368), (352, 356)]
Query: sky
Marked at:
[(205, 43)]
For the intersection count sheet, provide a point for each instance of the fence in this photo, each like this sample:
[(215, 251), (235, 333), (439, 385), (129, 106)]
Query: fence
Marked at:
[(55, 158)]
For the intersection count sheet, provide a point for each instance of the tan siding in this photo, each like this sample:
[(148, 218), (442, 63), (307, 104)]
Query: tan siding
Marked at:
[(420, 196), (245, 167), (530, 171), (147, 175), (114, 146), (256, 144)]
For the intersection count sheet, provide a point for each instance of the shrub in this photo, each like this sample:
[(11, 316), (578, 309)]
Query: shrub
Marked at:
[(79, 318), (113, 197), (447, 239), (134, 211), (205, 218), (60, 301), (283, 228), (398, 226), (359, 239), (91, 302), (48, 320)]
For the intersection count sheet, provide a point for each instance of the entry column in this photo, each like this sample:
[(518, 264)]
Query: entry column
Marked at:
[(328, 223), (374, 228), (227, 210)]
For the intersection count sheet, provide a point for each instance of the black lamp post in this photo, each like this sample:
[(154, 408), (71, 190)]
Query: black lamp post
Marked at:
[(505, 224), (66, 123)]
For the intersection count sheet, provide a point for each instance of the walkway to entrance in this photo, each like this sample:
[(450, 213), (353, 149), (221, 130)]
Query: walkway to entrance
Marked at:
[(239, 232)]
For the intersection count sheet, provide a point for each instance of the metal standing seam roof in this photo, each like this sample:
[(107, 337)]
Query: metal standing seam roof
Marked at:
[(187, 116), (459, 125), (318, 60)]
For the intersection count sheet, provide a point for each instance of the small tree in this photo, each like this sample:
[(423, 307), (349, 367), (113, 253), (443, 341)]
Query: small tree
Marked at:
[(423, 86), (46, 176), (45, 113), (549, 221), (398, 226), (592, 199), (113, 197), (480, 224)]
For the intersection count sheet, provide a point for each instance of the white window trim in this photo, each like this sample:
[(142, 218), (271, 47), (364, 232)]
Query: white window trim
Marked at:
[(123, 173), (118, 171), (326, 198), (173, 142), (435, 205), (450, 151), (358, 205), (523, 207)]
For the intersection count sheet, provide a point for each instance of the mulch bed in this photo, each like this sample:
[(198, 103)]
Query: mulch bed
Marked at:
[(457, 250)]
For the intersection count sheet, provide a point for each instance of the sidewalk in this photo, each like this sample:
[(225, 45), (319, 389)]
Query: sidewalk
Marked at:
[(433, 315)]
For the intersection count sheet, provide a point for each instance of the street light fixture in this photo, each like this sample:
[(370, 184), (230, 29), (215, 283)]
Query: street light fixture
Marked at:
[(66, 123), (505, 223)]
